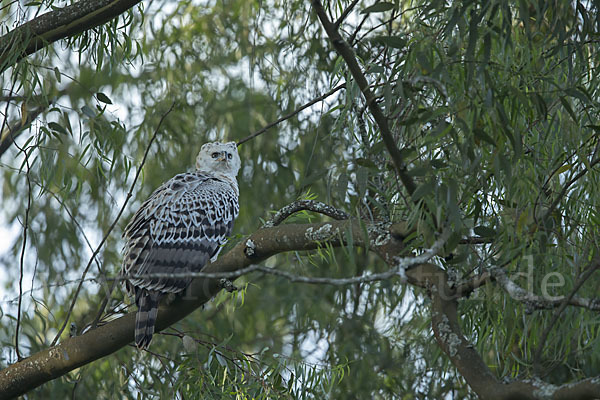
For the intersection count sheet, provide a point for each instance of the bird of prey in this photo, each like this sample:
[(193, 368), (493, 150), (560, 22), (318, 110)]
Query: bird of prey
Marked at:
[(178, 229)]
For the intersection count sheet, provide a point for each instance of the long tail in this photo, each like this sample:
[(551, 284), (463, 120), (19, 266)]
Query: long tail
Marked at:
[(147, 302)]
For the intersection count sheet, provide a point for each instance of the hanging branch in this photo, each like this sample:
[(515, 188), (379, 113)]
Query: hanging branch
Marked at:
[(22, 258), (346, 52), (58, 24)]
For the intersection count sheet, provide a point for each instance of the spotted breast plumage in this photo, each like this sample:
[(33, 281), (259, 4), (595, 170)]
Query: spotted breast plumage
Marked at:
[(178, 229)]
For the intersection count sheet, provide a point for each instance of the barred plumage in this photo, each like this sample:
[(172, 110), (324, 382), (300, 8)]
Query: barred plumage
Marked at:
[(181, 226)]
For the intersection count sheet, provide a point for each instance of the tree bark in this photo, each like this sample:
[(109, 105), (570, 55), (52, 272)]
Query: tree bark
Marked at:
[(74, 352), (58, 24)]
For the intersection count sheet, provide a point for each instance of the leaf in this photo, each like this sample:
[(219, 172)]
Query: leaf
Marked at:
[(57, 74), (88, 111), (23, 113), (480, 134), (57, 127), (423, 190), (568, 108), (418, 171), (562, 169), (103, 98), (484, 231), (365, 162), (577, 94), (342, 186), (395, 42), (375, 69), (221, 359), (378, 7), (407, 152), (437, 163), (361, 180)]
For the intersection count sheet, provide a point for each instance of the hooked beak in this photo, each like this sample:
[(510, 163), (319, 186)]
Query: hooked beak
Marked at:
[(222, 156)]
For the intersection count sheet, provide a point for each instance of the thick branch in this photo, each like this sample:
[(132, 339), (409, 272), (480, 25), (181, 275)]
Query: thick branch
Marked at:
[(80, 350), (344, 50), (446, 328), (58, 24)]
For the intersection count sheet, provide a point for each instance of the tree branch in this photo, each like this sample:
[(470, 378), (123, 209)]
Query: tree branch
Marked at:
[(310, 205), (539, 302), (58, 24), (293, 113), (346, 52), (96, 343), (448, 334)]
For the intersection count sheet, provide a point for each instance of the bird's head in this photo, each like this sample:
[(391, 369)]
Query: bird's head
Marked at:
[(221, 158)]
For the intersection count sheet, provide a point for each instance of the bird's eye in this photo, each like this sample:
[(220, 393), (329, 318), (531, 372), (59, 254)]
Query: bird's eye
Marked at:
[(214, 155), (229, 156)]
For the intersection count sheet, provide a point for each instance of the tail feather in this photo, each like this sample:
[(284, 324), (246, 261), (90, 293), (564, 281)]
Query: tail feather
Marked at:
[(145, 318)]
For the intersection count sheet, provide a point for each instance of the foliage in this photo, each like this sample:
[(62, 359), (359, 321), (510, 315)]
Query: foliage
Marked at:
[(494, 106)]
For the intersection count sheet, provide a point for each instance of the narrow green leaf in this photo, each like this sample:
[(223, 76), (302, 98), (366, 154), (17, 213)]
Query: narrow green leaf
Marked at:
[(88, 111), (562, 169), (484, 231), (103, 98), (568, 108), (361, 180), (423, 190), (419, 171), (57, 127), (57, 74), (378, 7), (577, 94), (342, 186), (395, 42), (480, 134), (365, 162)]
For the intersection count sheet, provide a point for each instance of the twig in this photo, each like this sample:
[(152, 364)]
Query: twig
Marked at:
[(309, 205), (22, 258), (533, 300), (25, 225), (346, 52), (188, 274), (114, 223), (272, 271), (347, 11), (402, 264), (567, 185), (293, 113)]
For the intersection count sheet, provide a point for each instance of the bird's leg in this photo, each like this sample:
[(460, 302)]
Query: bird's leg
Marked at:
[(227, 285)]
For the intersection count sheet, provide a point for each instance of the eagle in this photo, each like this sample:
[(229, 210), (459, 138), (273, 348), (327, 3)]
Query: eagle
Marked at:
[(180, 228)]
